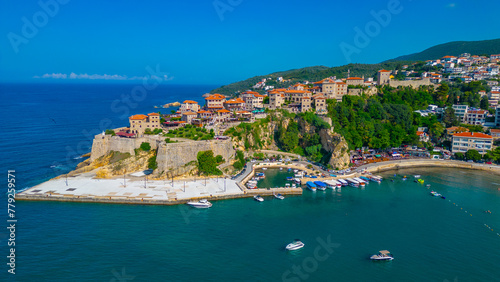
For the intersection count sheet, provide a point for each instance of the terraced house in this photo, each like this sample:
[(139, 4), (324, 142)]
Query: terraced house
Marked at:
[(215, 102)]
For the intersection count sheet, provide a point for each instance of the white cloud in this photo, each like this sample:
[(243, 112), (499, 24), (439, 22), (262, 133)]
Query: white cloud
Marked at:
[(99, 76)]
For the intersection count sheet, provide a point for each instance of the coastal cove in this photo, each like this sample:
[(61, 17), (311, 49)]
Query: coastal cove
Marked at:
[(353, 224)]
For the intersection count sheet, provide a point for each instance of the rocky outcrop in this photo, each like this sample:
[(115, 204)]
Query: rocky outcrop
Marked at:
[(336, 145)]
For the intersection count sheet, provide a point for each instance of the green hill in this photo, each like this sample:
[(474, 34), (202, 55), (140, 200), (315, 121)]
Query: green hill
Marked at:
[(311, 74), (485, 47)]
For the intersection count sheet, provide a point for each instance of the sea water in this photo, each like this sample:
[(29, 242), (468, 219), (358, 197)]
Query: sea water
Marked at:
[(432, 239)]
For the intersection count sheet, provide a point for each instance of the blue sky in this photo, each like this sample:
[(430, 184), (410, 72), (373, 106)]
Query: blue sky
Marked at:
[(221, 41)]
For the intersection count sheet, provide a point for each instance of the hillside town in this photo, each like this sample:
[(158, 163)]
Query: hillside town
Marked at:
[(220, 112)]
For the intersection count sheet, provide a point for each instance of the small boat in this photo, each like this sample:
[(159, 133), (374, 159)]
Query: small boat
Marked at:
[(264, 168), (295, 245), (443, 197), (382, 255), (435, 194), (287, 185), (320, 185), (281, 168), (421, 181), (201, 204), (289, 178), (294, 185), (331, 184), (295, 170), (366, 179), (289, 169), (417, 176), (279, 196), (311, 186), (258, 198), (361, 182), (427, 185), (343, 182), (313, 176), (352, 182), (296, 180), (404, 177), (377, 179)]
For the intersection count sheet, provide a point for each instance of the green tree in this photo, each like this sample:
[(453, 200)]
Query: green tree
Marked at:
[(145, 146), (459, 156), (152, 164), (110, 132), (449, 117), (219, 159), (207, 163), (473, 155), (442, 93), (484, 103)]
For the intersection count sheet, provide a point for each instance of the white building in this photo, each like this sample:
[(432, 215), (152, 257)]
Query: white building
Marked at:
[(460, 111), (462, 142)]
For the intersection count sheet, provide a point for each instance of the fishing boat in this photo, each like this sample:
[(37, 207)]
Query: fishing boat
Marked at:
[(377, 179), (296, 180), (366, 179), (258, 198), (279, 196), (201, 204), (295, 245), (361, 182), (331, 184), (352, 182), (382, 255), (320, 185), (343, 182), (311, 186), (289, 178)]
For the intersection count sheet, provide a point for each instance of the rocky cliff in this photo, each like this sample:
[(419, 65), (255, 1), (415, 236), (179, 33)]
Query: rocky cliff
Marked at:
[(335, 144)]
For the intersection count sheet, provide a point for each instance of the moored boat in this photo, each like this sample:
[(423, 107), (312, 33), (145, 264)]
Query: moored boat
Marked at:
[(343, 182), (279, 196), (201, 204), (361, 182), (377, 179), (352, 182), (320, 185), (311, 186), (258, 198)]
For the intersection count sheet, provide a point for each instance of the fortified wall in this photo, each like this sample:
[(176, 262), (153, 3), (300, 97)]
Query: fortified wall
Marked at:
[(173, 155), (103, 144), (412, 83)]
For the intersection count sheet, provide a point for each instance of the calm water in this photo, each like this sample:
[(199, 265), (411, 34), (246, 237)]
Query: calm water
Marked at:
[(432, 239)]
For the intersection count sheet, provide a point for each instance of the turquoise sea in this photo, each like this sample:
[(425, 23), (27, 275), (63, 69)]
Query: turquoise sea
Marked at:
[(432, 239)]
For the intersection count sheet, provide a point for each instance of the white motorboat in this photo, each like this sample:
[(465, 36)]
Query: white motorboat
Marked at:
[(279, 196), (201, 204), (295, 245), (417, 176), (281, 168), (382, 255), (295, 170), (294, 185), (264, 168), (258, 198)]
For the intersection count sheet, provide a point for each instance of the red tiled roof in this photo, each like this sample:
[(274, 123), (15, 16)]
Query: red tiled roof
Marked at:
[(189, 113), (216, 97), (223, 111), (154, 114), (354, 78), (472, 135), (384, 71), (138, 117), (190, 102)]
